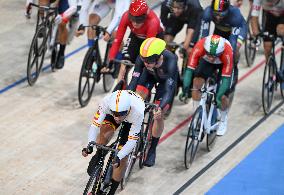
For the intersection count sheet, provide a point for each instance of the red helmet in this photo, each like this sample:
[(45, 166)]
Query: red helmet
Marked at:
[(138, 8)]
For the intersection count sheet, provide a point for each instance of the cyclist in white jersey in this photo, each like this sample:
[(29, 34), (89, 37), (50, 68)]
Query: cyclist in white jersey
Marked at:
[(66, 8), (122, 106), (274, 20), (97, 10)]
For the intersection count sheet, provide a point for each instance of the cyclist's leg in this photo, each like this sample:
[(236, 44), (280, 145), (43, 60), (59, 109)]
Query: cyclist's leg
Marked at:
[(97, 13), (106, 132), (118, 172), (130, 51), (270, 26)]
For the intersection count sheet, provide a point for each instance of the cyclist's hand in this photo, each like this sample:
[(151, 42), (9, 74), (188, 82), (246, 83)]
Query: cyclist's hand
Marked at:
[(28, 11), (158, 113), (80, 30), (107, 36), (183, 97), (87, 151), (58, 19), (116, 162)]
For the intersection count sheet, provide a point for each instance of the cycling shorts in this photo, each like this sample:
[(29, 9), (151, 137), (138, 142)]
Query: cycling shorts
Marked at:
[(271, 23), (109, 120), (206, 69), (63, 5), (101, 8)]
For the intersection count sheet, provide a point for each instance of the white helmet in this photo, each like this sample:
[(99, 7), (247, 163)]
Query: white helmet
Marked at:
[(119, 103), (214, 45)]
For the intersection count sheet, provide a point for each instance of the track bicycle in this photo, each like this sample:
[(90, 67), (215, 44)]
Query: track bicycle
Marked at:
[(90, 73), (143, 144), (39, 45), (271, 75), (252, 46), (203, 123)]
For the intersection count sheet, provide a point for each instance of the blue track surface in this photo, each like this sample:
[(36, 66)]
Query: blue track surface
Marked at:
[(260, 173)]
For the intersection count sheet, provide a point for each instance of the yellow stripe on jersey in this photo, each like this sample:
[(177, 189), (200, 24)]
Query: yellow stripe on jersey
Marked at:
[(133, 137), (96, 124)]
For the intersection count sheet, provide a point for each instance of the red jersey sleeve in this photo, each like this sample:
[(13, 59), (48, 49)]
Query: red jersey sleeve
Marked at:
[(197, 52), (119, 36), (227, 60), (153, 25)]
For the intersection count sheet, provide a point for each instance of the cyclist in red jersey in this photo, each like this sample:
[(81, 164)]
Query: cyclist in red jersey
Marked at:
[(210, 54), (143, 23)]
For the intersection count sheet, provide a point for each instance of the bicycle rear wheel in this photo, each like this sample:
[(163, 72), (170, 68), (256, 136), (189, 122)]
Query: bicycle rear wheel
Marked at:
[(192, 141), (108, 81), (268, 84), (36, 55), (87, 79), (92, 185), (250, 49)]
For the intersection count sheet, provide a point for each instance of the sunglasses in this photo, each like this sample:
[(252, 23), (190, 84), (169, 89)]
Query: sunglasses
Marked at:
[(137, 19), (151, 60), (119, 114), (220, 14)]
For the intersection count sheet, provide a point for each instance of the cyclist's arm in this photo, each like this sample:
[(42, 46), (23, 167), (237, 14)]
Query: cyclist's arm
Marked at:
[(153, 28), (164, 13), (171, 64), (138, 69), (205, 23), (254, 16), (196, 54), (119, 36), (70, 11), (227, 60), (97, 120), (133, 136), (84, 12), (121, 6)]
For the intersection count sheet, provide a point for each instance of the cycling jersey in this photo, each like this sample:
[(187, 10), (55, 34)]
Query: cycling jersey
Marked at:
[(102, 8), (190, 16), (135, 117), (226, 57), (275, 7), (150, 28), (234, 23), (166, 75)]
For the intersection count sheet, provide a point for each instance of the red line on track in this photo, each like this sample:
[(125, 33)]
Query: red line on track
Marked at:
[(184, 122)]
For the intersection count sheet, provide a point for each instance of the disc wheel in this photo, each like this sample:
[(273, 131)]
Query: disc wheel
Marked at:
[(36, 55), (192, 141), (268, 84), (87, 79)]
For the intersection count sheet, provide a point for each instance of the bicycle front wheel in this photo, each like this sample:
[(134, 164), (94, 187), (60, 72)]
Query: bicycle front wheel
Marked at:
[(87, 79), (36, 55), (192, 141), (92, 185), (268, 84)]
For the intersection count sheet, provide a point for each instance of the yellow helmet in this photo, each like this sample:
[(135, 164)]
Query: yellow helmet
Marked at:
[(151, 49)]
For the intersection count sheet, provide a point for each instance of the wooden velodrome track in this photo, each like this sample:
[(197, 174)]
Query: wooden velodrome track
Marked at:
[(43, 128)]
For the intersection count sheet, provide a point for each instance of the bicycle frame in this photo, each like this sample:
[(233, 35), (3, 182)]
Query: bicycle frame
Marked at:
[(207, 116)]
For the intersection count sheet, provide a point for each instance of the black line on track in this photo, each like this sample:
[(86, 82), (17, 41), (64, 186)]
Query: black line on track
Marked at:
[(230, 147)]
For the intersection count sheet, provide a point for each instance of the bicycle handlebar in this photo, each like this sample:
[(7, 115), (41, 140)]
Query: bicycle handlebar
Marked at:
[(43, 7), (99, 146), (125, 62), (95, 27), (151, 105)]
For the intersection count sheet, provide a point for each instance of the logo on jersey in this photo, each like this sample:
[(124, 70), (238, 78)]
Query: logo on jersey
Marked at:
[(214, 44)]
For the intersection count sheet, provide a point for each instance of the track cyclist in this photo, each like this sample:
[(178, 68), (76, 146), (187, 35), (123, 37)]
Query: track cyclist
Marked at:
[(66, 8), (230, 24), (176, 13), (274, 23), (121, 106), (143, 23), (208, 55), (155, 66), (92, 12)]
